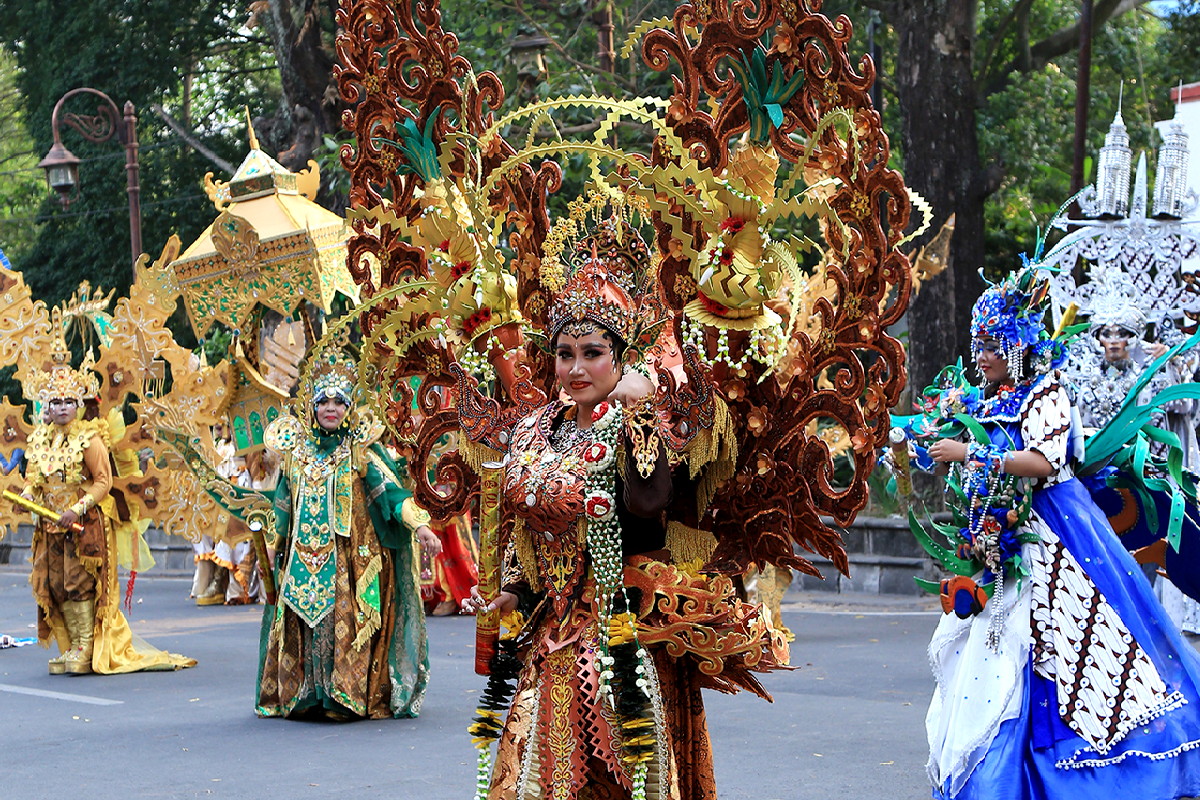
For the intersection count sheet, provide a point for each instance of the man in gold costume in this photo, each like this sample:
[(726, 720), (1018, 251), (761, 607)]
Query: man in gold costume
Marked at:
[(74, 576)]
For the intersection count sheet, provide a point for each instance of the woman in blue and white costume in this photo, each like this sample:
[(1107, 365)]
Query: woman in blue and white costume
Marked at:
[(1070, 682)]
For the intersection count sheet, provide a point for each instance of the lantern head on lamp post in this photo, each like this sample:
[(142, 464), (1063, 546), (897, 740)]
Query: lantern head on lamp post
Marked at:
[(526, 52), (62, 171), (62, 167)]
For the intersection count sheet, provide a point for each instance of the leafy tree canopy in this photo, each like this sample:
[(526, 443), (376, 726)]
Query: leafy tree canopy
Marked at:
[(194, 59)]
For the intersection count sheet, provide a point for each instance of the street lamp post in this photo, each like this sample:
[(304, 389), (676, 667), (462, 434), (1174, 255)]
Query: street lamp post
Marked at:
[(62, 167)]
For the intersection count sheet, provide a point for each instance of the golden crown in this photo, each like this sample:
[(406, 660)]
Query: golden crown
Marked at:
[(58, 381), (609, 268), (333, 376)]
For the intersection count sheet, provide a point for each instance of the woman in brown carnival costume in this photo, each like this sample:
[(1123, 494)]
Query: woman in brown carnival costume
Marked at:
[(601, 709), (74, 576)]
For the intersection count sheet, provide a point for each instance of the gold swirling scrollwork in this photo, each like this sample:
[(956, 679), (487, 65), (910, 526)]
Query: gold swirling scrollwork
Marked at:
[(843, 367)]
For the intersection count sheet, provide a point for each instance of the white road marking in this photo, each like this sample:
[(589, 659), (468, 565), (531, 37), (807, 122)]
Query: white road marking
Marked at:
[(76, 698)]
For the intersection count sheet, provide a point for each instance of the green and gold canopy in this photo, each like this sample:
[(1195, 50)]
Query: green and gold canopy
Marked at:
[(270, 245)]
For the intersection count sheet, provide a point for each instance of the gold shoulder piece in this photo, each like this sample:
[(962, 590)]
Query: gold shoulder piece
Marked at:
[(369, 428), (284, 434)]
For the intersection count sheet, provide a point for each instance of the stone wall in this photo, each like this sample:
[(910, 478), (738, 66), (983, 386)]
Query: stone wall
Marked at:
[(884, 558), (172, 555)]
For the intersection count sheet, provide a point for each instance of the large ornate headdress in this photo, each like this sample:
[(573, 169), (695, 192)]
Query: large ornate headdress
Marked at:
[(57, 380), (607, 281), (753, 172), (329, 371), (1013, 312), (334, 378), (331, 374), (1111, 301)]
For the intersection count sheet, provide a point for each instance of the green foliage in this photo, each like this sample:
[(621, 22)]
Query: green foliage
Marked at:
[(1181, 44), (1026, 125), (21, 183), (1036, 159), (217, 345), (487, 30), (335, 179), (192, 57)]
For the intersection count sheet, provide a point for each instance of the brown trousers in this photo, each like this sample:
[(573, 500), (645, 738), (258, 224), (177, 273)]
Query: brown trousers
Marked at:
[(59, 574)]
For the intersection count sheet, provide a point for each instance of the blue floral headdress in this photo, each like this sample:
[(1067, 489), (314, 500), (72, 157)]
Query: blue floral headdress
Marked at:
[(1013, 313)]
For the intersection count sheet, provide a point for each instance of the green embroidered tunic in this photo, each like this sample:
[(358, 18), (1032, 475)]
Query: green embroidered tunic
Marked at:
[(348, 632)]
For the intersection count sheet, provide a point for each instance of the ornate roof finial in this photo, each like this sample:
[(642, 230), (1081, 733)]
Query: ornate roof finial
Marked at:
[(1137, 204), (1170, 173), (250, 128)]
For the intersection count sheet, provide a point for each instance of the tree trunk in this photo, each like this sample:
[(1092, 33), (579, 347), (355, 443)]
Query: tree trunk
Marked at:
[(302, 34), (936, 89)]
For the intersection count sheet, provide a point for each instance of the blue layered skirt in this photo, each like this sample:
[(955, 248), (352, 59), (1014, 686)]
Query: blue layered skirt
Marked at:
[(994, 725)]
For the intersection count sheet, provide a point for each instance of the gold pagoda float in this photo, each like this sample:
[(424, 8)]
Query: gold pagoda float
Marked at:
[(269, 267)]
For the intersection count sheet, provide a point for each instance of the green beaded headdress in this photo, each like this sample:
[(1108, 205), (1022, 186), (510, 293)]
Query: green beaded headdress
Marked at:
[(334, 375)]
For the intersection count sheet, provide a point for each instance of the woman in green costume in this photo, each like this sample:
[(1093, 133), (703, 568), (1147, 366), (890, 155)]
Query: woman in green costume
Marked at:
[(346, 636)]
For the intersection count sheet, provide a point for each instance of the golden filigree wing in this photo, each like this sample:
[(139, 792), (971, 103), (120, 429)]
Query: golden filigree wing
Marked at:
[(26, 337)]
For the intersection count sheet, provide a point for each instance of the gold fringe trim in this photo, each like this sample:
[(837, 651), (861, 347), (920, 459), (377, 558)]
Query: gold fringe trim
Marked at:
[(689, 544), (373, 618), (715, 453), (220, 562), (523, 546), (475, 454)]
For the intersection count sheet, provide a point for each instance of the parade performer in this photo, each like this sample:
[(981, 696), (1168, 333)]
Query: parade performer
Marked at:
[(622, 507), (1058, 673), (210, 580), (346, 638), (1180, 419), (1104, 365), (74, 578), (228, 573), (587, 485), (447, 586)]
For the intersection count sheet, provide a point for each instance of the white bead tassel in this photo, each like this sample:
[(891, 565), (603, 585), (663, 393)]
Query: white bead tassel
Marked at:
[(483, 772), (996, 620), (639, 782)]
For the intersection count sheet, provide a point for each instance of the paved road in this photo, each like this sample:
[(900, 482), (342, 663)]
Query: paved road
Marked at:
[(847, 724)]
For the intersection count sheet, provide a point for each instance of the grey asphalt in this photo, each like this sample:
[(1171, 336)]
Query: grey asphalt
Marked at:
[(847, 724)]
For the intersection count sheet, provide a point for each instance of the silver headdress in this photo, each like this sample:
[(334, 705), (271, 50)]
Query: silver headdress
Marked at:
[(1110, 301)]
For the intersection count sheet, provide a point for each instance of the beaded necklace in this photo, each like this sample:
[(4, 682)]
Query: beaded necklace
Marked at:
[(618, 631), (570, 434), (625, 668)]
